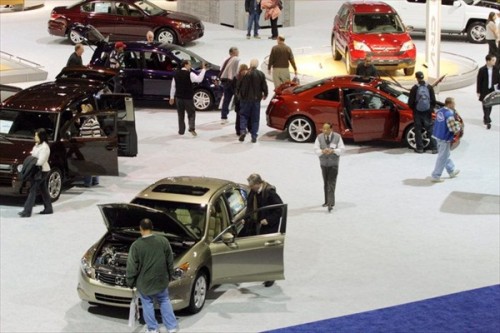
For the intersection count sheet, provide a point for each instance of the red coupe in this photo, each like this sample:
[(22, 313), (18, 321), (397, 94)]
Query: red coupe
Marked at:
[(361, 109), (125, 20)]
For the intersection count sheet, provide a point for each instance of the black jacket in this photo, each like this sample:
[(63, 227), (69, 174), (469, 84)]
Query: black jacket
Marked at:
[(250, 6), (482, 81), (266, 197), (30, 169), (253, 86), (412, 101)]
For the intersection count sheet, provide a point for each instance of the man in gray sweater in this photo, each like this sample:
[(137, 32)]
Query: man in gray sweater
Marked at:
[(150, 268)]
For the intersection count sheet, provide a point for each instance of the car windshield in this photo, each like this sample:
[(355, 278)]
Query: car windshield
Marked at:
[(192, 216), (308, 86), (377, 23), (22, 124), (149, 8), (394, 90)]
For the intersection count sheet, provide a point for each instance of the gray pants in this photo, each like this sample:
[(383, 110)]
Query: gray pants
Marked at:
[(329, 183), (280, 76), (186, 106)]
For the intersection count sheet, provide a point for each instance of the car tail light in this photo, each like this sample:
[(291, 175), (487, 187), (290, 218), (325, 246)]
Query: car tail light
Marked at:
[(54, 15)]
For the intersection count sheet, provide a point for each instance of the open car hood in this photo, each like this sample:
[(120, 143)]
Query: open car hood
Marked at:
[(119, 216)]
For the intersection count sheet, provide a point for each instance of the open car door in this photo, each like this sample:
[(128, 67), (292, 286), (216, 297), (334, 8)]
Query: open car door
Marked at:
[(237, 257)]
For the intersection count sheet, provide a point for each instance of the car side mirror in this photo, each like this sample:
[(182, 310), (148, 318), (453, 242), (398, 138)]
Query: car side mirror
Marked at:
[(409, 28), (228, 238)]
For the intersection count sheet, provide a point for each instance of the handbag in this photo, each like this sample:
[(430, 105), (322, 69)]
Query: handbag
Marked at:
[(134, 313)]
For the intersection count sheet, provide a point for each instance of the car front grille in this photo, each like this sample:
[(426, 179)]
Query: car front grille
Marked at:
[(113, 279), (112, 299)]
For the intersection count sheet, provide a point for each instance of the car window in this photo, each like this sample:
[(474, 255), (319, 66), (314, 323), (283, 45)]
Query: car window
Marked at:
[(122, 9), (236, 199), (148, 7), (184, 55), (132, 59), (218, 219), (377, 23), (329, 95), (97, 7), (21, 123), (394, 90), (158, 61), (309, 86)]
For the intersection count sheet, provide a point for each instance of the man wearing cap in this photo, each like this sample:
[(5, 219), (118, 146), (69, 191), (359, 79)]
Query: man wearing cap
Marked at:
[(262, 221), (422, 118), (116, 62)]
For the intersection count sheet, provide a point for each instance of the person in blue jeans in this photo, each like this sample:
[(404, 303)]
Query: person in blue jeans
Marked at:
[(252, 7), (252, 88), (445, 128), (150, 268)]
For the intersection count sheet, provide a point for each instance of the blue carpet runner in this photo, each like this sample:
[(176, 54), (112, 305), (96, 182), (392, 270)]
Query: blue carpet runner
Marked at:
[(474, 311)]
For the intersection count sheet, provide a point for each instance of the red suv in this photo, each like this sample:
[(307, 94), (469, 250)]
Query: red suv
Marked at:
[(375, 28)]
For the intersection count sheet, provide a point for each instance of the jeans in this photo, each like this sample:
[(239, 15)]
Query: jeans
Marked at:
[(90, 180), (253, 19), (35, 185), (423, 120), (167, 312), (329, 183), (185, 106), (250, 111), (228, 94), (443, 159)]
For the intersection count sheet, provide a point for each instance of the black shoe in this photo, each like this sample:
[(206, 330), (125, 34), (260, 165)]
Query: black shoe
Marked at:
[(242, 137), (488, 126), (419, 151), (330, 208), (268, 284), (46, 212), (254, 140), (24, 214), (324, 205), (181, 133)]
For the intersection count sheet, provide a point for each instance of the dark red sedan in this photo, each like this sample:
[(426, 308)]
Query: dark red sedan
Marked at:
[(125, 20), (361, 109)]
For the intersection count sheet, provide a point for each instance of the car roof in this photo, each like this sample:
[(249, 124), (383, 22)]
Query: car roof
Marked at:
[(144, 45), (190, 189), (50, 96), (372, 7)]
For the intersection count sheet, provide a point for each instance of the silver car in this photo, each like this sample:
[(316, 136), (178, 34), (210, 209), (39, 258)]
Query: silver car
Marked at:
[(204, 220)]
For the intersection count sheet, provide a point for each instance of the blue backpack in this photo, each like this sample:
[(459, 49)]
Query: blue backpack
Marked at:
[(423, 98)]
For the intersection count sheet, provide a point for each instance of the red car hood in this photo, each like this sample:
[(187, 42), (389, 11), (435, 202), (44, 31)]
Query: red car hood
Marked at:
[(383, 40)]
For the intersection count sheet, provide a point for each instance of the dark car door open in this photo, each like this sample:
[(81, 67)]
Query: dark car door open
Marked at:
[(249, 258), (158, 74), (93, 155)]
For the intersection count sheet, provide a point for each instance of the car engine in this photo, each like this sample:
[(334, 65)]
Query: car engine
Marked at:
[(111, 264)]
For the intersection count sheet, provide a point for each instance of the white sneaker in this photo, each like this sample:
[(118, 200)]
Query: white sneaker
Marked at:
[(454, 173), (437, 180), (224, 121), (175, 330)]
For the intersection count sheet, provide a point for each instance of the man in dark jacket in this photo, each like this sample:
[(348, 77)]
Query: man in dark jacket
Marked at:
[(252, 88), (366, 68), (488, 79), (252, 7), (75, 59), (266, 221), (182, 90), (422, 118), (150, 267)]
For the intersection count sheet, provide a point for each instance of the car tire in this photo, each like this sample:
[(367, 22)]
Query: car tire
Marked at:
[(203, 100), (348, 68), (409, 71), (410, 141), (166, 35), (74, 37), (476, 32), (198, 293), (335, 52), (54, 183), (301, 129)]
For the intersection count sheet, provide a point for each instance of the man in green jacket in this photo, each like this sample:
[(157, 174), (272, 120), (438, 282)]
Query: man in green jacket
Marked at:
[(149, 268)]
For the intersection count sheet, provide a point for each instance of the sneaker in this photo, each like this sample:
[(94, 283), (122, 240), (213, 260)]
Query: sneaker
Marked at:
[(268, 284), (173, 330), (224, 121), (437, 180), (146, 330), (454, 173), (193, 132), (242, 137), (256, 37), (273, 38)]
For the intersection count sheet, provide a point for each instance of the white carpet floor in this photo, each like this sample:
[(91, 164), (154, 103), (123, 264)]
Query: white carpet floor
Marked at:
[(394, 237)]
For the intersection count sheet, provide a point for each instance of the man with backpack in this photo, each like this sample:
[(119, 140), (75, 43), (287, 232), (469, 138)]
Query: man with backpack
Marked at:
[(422, 101)]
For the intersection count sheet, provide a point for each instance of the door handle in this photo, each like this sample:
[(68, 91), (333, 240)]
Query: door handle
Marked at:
[(273, 243)]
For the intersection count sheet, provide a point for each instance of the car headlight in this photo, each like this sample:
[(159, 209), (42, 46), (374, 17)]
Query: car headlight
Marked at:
[(360, 46), (180, 272), (407, 46), (19, 168), (184, 25), (86, 263)]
